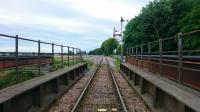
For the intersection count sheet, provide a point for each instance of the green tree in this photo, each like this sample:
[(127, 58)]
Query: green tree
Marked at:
[(161, 19), (191, 22), (109, 45), (118, 50), (97, 51)]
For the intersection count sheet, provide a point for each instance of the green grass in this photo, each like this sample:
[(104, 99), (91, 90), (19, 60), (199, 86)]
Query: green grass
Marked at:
[(57, 63), (89, 62), (117, 63), (11, 78)]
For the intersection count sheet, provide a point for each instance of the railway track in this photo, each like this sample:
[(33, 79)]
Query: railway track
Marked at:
[(101, 93)]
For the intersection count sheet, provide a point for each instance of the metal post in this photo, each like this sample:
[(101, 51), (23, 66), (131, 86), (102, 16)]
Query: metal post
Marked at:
[(180, 63), (77, 52), (79, 55), (62, 56), (149, 54), (39, 58), (133, 56), (52, 55), (122, 38), (17, 58), (127, 54), (68, 55), (73, 55), (131, 52), (161, 56), (76, 55), (136, 55), (141, 50)]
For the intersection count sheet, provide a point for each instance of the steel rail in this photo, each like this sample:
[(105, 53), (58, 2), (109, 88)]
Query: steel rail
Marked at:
[(85, 88), (117, 88), (89, 82)]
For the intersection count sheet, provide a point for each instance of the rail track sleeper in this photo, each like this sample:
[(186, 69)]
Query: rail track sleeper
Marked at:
[(84, 103), (85, 88), (117, 88)]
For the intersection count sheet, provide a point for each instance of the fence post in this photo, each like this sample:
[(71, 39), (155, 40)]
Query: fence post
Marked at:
[(17, 58), (161, 56), (79, 55), (136, 49), (180, 58), (76, 55), (52, 55), (133, 56), (141, 47), (122, 53), (127, 54), (62, 56), (73, 55), (131, 50), (39, 58), (149, 54), (68, 55)]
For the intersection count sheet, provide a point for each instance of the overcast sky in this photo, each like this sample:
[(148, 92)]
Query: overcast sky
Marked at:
[(79, 23)]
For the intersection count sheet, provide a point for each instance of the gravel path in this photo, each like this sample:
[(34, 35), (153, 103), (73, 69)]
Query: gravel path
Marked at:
[(101, 94), (133, 101), (67, 101)]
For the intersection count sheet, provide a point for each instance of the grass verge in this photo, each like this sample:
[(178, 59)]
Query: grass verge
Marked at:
[(89, 63), (117, 63)]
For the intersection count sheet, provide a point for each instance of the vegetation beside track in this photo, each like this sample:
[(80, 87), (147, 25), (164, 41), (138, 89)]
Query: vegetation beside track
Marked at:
[(10, 78), (117, 63), (89, 62)]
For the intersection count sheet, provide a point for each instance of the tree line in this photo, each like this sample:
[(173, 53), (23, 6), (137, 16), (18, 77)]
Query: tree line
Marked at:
[(159, 19), (164, 19), (108, 47)]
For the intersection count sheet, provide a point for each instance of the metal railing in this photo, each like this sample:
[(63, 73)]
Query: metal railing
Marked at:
[(174, 58), (48, 57)]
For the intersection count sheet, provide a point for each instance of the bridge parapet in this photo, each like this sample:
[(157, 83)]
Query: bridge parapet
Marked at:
[(22, 59), (159, 94), (173, 58), (37, 94)]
